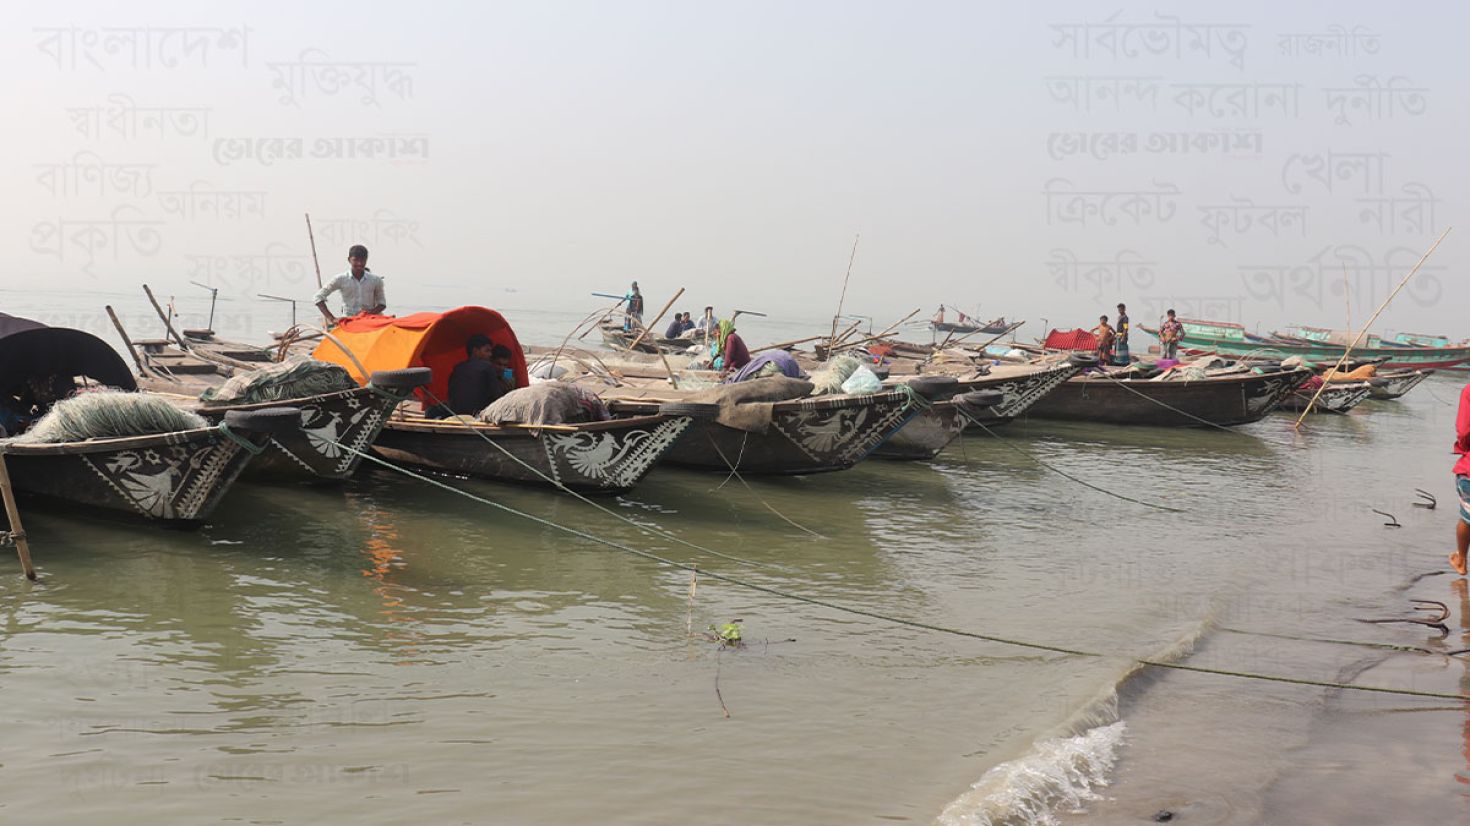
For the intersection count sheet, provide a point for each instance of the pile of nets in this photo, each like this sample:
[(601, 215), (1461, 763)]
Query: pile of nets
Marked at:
[(108, 414), (551, 402), (292, 379), (838, 370)]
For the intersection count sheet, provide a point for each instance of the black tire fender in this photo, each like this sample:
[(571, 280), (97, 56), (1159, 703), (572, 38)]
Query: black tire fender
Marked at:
[(694, 410), (406, 379), (934, 387), (980, 399), (1083, 359), (275, 421)]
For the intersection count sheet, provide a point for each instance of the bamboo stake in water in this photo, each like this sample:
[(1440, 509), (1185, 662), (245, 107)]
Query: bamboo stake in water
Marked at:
[(1369, 325), (843, 298), (17, 532)]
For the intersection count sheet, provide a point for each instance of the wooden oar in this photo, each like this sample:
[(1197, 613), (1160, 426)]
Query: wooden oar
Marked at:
[(17, 531), (656, 320), (167, 325), (312, 237), (143, 369)]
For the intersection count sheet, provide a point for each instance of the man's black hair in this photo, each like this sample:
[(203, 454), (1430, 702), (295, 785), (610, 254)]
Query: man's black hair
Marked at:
[(475, 342), (500, 352), (358, 251)]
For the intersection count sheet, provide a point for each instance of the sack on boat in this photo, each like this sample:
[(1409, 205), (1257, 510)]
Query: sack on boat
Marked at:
[(862, 381), (830, 378), (747, 405), (546, 403), (109, 414), (292, 379)]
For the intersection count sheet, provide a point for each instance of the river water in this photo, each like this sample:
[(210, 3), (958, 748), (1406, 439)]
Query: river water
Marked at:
[(386, 651)]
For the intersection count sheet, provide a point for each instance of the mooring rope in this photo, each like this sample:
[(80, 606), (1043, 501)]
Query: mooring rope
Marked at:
[(976, 421), (734, 472), (863, 612)]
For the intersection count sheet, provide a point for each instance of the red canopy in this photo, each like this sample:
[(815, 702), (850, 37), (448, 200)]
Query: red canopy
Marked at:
[(432, 340), (1071, 340)]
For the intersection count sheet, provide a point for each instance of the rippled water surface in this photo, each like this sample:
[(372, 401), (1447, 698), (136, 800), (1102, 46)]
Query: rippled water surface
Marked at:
[(385, 651)]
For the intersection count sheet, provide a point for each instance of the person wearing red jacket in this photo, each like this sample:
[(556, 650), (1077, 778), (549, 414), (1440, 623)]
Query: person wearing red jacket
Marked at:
[(1462, 482)]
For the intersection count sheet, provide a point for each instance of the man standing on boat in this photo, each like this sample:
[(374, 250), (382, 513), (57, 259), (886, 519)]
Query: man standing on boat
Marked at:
[(1462, 482), (1169, 334), (362, 291), (1121, 347), (634, 313)]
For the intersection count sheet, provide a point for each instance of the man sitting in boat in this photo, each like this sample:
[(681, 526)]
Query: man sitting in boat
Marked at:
[(362, 291), (676, 327), (21, 407), (484, 376)]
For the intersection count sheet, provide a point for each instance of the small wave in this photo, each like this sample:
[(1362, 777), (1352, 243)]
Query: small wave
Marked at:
[(1058, 775)]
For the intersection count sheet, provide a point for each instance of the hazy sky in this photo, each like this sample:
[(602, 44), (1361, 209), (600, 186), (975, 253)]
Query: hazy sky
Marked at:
[(1046, 161)]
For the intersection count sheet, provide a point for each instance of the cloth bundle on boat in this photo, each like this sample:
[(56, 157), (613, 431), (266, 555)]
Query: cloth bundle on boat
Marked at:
[(747, 405), (1362, 373), (295, 378), (109, 414), (1070, 340), (768, 363), (551, 402), (432, 340), (830, 378)]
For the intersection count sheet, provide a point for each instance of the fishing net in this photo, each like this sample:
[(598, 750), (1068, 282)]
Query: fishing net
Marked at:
[(551, 402), (293, 379), (106, 414), (830, 378)]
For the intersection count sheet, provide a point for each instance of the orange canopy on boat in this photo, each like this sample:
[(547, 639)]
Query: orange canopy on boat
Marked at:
[(432, 340)]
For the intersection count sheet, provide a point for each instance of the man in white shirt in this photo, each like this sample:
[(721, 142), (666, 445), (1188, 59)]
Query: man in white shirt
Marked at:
[(362, 291)]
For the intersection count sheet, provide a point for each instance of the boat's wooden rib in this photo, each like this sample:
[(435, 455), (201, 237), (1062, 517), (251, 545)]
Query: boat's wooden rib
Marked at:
[(1220, 400), (593, 457)]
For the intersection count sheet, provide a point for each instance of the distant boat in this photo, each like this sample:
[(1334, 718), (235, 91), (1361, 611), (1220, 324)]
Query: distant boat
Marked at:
[(1313, 344), (997, 327)]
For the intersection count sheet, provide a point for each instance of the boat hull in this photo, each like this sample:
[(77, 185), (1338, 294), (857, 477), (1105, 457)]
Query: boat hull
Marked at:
[(1223, 401), (1337, 398), (926, 434), (596, 457), (174, 477), (1394, 357), (1396, 385), (351, 418)]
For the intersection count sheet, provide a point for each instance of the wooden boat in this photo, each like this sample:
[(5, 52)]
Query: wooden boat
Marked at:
[(997, 327), (1395, 383), (175, 477), (312, 452), (1220, 400), (588, 457), (1006, 392), (1339, 397), (1313, 344), (599, 456), (615, 337), (810, 435)]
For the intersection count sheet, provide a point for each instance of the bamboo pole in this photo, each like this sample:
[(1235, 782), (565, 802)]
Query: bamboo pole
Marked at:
[(656, 320), (1369, 325), (843, 298), (886, 332), (310, 235), (143, 369), (782, 345), (17, 531), (842, 336), (167, 325)]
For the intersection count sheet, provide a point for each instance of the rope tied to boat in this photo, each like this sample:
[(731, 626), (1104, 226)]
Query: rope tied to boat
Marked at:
[(248, 446), (888, 618)]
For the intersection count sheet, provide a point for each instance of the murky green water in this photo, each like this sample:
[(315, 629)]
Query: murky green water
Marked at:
[(387, 652)]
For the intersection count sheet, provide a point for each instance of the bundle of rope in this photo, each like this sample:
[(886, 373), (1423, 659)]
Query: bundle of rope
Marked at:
[(107, 414), (294, 378)]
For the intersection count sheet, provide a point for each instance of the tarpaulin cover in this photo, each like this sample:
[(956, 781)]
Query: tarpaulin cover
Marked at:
[(30, 349), (1071, 340), (432, 340)]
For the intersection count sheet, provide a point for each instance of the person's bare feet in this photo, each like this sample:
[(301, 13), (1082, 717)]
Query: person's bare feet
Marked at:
[(1457, 561)]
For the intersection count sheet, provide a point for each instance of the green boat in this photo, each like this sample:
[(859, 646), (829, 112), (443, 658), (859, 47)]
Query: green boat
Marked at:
[(1317, 344)]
